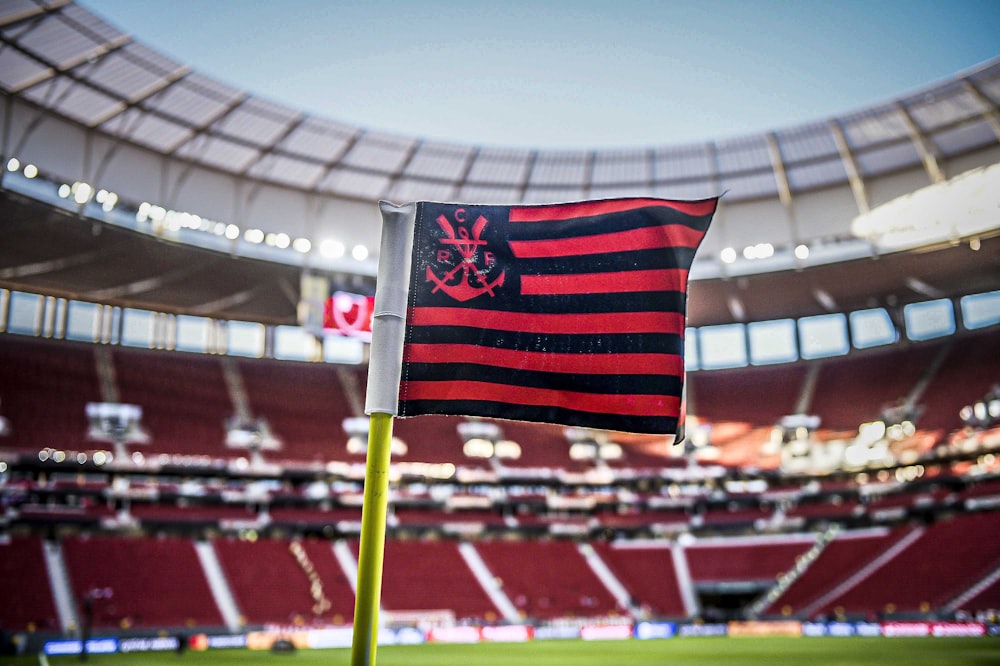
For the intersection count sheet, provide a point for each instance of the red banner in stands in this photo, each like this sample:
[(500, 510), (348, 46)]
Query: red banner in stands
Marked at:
[(349, 314)]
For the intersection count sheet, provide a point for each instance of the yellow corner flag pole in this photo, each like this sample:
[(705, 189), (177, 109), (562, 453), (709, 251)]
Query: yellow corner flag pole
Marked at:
[(373, 521), (381, 403)]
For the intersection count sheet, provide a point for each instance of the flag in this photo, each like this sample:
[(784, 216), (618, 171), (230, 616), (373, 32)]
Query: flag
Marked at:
[(570, 313)]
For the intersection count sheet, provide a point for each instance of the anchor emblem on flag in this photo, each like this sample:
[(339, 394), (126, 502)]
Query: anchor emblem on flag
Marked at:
[(465, 280)]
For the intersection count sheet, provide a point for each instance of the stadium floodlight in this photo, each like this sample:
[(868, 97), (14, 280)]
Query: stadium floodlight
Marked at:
[(115, 422), (484, 439), (589, 444)]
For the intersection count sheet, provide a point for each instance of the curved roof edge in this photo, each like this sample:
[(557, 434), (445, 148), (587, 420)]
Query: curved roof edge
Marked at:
[(62, 58)]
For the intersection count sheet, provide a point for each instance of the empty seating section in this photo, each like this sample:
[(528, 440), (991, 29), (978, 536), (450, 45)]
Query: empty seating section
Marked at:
[(149, 514), (841, 558), (414, 516), (24, 586), (336, 587), (433, 439), (736, 515), (183, 397), (431, 576), (758, 396), (304, 404), (947, 559), (44, 389), (647, 572), (743, 559), (547, 579), (853, 390), (986, 599), (971, 368), (270, 585), (141, 582), (542, 445), (303, 517)]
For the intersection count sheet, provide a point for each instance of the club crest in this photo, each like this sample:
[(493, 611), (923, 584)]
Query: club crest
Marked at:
[(464, 260)]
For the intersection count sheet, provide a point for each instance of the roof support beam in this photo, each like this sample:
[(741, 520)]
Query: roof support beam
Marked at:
[(923, 145), (990, 112), (850, 166)]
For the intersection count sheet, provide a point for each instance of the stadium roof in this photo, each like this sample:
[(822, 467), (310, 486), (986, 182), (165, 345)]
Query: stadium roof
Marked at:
[(65, 59), (65, 63)]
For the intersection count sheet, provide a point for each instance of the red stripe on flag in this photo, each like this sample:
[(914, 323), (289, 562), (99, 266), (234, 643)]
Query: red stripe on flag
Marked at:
[(592, 208), (666, 279), (594, 364), (597, 403), (646, 238), (530, 322)]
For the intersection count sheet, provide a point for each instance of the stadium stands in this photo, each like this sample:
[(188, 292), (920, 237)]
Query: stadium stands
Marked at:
[(146, 582), (24, 586), (183, 397), (646, 569), (941, 563), (304, 405), (271, 586), (557, 584), (44, 389), (432, 576), (187, 532)]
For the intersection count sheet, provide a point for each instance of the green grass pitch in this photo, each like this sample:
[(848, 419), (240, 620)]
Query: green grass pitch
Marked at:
[(705, 651)]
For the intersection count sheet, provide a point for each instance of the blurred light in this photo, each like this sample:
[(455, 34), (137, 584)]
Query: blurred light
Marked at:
[(611, 451), (302, 245), (507, 448), (253, 236), (270, 240), (82, 192), (59, 456), (801, 251), (331, 249), (64, 191), (43, 455), (232, 231), (3, 466), (478, 448), (30, 171), (282, 240), (13, 164), (100, 458), (359, 252), (728, 255), (81, 457), (758, 251)]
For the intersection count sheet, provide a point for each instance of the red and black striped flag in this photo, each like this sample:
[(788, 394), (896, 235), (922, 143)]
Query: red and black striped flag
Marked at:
[(570, 313)]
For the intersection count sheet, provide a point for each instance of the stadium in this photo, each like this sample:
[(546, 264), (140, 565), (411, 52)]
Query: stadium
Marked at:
[(187, 282)]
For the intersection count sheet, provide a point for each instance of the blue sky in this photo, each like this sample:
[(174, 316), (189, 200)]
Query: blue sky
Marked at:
[(570, 74)]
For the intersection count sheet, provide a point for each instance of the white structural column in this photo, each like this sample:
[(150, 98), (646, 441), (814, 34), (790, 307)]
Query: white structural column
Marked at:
[(345, 558), (62, 592), (610, 580), (488, 582), (219, 585), (684, 581)]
